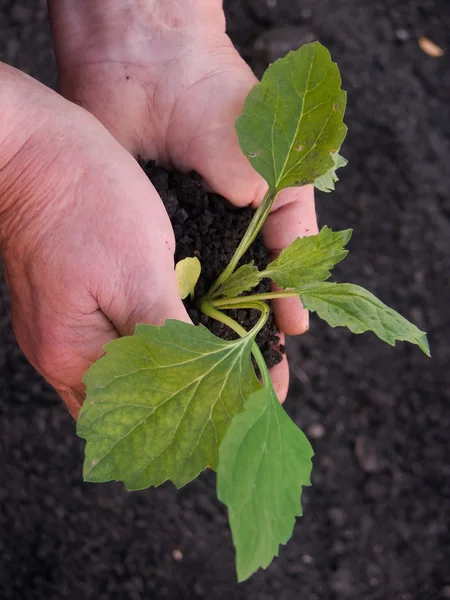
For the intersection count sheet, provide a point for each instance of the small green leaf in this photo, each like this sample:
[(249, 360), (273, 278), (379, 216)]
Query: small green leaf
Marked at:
[(293, 120), (243, 279), (187, 272), (344, 304), (264, 461), (159, 403), (309, 259), (326, 182)]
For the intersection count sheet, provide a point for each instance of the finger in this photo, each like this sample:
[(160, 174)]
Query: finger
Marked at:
[(213, 149), (71, 400), (280, 375), (293, 216), (290, 316), (226, 170)]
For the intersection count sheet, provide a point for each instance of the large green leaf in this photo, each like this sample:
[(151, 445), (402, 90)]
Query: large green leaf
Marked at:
[(326, 182), (309, 259), (359, 310), (264, 461), (159, 403), (293, 120), (242, 280)]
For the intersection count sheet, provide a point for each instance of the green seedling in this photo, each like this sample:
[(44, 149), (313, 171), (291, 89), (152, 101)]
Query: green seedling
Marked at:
[(169, 401)]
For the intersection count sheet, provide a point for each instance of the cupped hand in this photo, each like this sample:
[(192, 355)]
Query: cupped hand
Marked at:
[(165, 79), (87, 244)]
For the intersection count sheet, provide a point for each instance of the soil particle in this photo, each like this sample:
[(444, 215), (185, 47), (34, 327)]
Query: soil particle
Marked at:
[(366, 455), (207, 226), (276, 43)]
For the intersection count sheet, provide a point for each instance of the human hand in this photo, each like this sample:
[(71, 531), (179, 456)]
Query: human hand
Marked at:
[(165, 79), (86, 242)]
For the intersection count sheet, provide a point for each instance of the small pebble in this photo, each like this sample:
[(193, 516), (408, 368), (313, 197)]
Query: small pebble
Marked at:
[(341, 581), (366, 455), (402, 34), (177, 554), (337, 516), (316, 431)]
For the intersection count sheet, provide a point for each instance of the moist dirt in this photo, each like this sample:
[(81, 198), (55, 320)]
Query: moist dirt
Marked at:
[(376, 519), (210, 228)]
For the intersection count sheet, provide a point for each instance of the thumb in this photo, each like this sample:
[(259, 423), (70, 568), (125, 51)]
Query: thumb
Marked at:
[(216, 153)]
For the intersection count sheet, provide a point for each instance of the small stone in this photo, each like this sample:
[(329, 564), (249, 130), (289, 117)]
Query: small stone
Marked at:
[(316, 431), (180, 216), (366, 455), (307, 559), (177, 554), (402, 34), (171, 203), (294, 568), (338, 548), (380, 398), (341, 581), (337, 516)]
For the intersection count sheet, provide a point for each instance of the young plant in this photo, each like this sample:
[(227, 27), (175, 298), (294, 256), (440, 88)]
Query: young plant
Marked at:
[(169, 401)]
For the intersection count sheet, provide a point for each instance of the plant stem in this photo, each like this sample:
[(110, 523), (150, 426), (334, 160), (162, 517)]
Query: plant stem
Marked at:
[(242, 301), (212, 312), (253, 229), (259, 358)]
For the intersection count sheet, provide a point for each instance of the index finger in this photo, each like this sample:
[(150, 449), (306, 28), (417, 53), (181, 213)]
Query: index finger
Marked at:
[(293, 216)]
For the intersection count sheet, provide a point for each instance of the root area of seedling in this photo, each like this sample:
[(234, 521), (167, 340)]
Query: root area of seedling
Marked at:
[(208, 227)]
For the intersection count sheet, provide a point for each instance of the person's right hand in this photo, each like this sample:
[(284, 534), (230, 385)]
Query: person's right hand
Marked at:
[(86, 242)]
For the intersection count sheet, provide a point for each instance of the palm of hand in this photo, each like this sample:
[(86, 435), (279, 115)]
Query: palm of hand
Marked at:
[(179, 109)]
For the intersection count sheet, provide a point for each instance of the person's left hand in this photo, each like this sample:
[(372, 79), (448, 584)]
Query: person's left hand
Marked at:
[(165, 79)]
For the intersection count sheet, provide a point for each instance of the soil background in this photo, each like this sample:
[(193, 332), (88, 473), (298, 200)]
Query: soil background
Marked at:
[(376, 519)]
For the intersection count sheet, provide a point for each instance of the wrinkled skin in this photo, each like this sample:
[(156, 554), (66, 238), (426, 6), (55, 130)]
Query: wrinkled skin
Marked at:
[(80, 264), (168, 85)]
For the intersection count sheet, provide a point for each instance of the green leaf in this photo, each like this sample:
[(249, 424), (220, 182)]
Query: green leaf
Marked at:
[(309, 259), (243, 279), (187, 272), (264, 461), (344, 304), (159, 403), (326, 182), (293, 120)]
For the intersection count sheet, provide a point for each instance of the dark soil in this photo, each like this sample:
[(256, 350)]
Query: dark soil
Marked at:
[(207, 226), (376, 519)]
